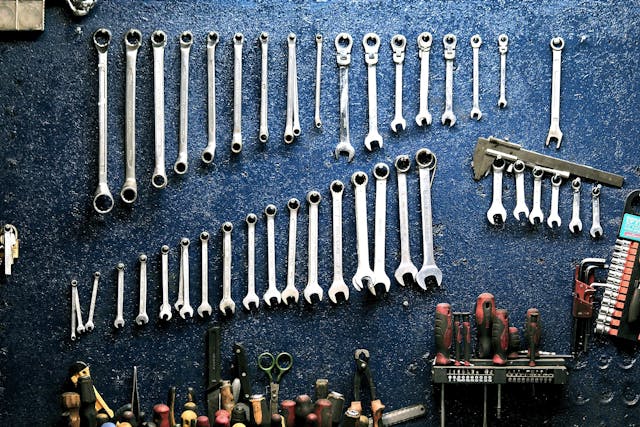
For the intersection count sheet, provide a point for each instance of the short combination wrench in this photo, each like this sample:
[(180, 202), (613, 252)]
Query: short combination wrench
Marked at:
[(204, 308), (406, 272), (557, 44), (424, 49), (119, 322), (272, 293), (575, 225), (371, 44), (132, 41), (165, 308), (427, 162), (251, 299), (398, 45), (338, 285), (554, 219), (503, 47), (521, 204), (313, 288), (364, 275), (227, 306), (497, 214), (182, 163), (290, 292), (380, 278), (596, 229), (343, 43), (186, 309), (449, 42), (142, 318), (536, 216), (476, 42)]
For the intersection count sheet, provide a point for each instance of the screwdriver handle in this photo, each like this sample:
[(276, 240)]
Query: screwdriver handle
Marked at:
[(443, 333), (71, 403), (485, 310), (457, 333), (500, 336), (514, 342), (202, 421), (322, 409), (161, 415), (466, 334), (533, 330), (289, 412)]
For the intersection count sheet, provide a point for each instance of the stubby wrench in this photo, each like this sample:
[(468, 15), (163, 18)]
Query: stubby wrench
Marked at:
[(343, 43), (536, 216), (424, 50), (210, 150), (132, 41), (186, 308), (313, 287), (251, 299), (272, 291), (102, 199), (427, 163), (318, 121), (554, 217), (338, 286), (557, 44), (78, 311), (89, 326), (380, 278), (236, 139), (364, 275), (406, 272), (227, 306), (476, 42), (263, 134), (575, 225), (158, 41), (204, 307), (596, 229), (119, 322), (497, 214), (371, 44), (398, 45), (521, 204), (142, 318), (165, 308), (290, 292), (449, 41), (182, 164), (503, 47)]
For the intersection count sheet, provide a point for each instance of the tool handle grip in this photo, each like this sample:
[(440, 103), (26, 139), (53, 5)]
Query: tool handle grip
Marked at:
[(500, 337), (443, 333)]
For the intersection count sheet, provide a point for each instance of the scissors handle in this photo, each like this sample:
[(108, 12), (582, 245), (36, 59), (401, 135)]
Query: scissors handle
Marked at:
[(284, 362)]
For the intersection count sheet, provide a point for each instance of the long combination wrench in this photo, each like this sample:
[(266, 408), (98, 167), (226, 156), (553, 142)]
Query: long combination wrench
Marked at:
[(272, 294), (227, 306), (427, 163), (290, 292), (503, 47), (557, 44), (338, 286), (449, 41), (159, 41), (313, 288), (424, 49), (165, 307), (76, 309), (476, 42), (182, 162), (292, 127), (129, 192), (380, 278), (371, 44), (317, 120), (364, 275), (142, 318), (183, 281), (210, 150), (89, 326), (251, 299), (204, 308), (263, 134), (102, 199), (398, 45), (343, 43), (406, 272), (236, 139)]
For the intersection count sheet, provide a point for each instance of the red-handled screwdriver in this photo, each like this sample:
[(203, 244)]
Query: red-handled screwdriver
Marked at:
[(466, 336), (457, 333), (443, 333), (533, 329), (500, 336), (485, 310)]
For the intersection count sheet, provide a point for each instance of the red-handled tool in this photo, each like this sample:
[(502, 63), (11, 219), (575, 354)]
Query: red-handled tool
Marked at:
[(533, 329), (457, 333), (443, 333), (485, 310), (500, 336), (466, 336)]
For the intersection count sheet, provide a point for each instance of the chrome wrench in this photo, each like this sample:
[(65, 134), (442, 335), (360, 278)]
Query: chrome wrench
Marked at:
[(503, 47), (272, 291), (449, 42), (89, 326), (132, 41), (236, 139), (165, 308), (381, 174), (142, 318), (290, 292), (424, 49), (343, 43), (73, 315), (338, 286), (204, 307), (398, 45), (406, 272), (76, 303), (557, 44), (181, 165), (313, 287), (521, 204), (317, 120), (186, 308), (497, 214), (575, 225), (159, 41), (364, 275), (476, 42), (554, 218), (536, 216), (251, 299), (596, 229), (264, 87), (427, 163), (227, 306), (119, 322), (371, 44), (210, 150), (292, 82)]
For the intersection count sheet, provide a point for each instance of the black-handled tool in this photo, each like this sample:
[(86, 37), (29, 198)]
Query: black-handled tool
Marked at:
[(214, 381), (242, 371)]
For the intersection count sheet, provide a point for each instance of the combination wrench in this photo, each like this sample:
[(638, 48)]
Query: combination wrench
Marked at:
[(165, 308), (272, 291), (503, 47), (497, 214), (290, 292), (554, 217), (575, 225), (317, 120), (73, 316), (159, 41), (142, 318), (596, 229), (406, 272), (338, 286), (227, 306), (476, 42), (555, 134), (364, 275), (313, 288), (398, 45), (427, 163), (521, 204), (236, 139), (424, 49), (182, 164), (380, 278), (251, 299), (210, 150), (119, 321), (536, 216), (102, 199), (76, 304), (371, 44), (263, 134), (132, 41), (343, 43), (204, 307), (89, 326), (186, 308), (292, 127), (449, 41)]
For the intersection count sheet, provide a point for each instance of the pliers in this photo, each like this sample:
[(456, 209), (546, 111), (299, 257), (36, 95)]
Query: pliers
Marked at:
[(362, 357)]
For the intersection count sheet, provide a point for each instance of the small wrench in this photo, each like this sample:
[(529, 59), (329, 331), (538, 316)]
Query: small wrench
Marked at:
[(476, 42), (236, 140), (398, 45), (165, 308), (272, 291), (364, 275), (204, 307), (343, 43), (210, 150), (227, 306), (521, 204), (557, 44), (380, 278), (73, 316), (427, 163), (424, 47), (78, 311), (317, 121), (596, 229), (406, 272), (251, 298), (575, 225), (503, 47), (313, 287), (89, 326), (264, 88), (181, 165), (102, 199), (338, 286), (142, 318), (184, 279), (371, 44), (449, 41), (292, 128), (554, 218), (290, 292), (132, 41), (497, 214), (119, 322), (536, 216), (159, 41)]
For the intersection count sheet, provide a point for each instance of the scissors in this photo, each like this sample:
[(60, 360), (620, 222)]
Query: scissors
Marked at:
[(275, 367)]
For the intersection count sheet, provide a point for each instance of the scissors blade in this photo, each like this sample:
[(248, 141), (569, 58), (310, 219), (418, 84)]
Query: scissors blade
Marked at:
[(275, 391)]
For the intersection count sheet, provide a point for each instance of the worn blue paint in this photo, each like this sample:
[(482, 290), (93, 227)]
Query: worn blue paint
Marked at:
[(48, 129)]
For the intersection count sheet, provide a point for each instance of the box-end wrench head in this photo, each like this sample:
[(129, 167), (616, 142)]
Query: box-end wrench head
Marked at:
[(424, 49), (497, 214), (290, 292), (343, 43), (204, 307), (251, 299), (227, 306), (142, 318), (575, 225), (338, 286), (272, 295), (313, 290), (427, 162), (406, 272), (119, 322), (364, 275)]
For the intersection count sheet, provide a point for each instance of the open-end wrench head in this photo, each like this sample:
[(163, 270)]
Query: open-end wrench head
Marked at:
[(290, 293), (476, 114), (165, 312), (312, 290), (406, 273), (398, 124), (429, 273), (89, 326), (448, 118), (363, 278), (338, 288), (345, 148), (272, 296), (227, 307), (596, 231), (204, 308), (381, 283), (142, 319), (424, 118), (251, 301), (497, 214), (185, 311), (118, 323)]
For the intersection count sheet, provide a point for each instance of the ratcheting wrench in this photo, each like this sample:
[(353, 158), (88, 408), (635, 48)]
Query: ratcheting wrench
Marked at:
[(427, 163), (338, 286), (476, 42), (204, 307), (364, 275), (227, 306), (371, 44), (290, 291), (142, 318), (343, 43), (398, 45), (380, 173), (251, 299), (313, 287), (575, 225), (158, 41), (263, 135), (557, 44), (165, 308), (521, 204), (272, 291), (210, 150), (132, 41), (406, 272), (424, 47), (236, 139), (449, 41), (186, 308), (503, 47), (182, 162), (497, 214)]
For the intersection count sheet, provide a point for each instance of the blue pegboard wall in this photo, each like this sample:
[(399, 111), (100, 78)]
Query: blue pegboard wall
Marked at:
[(48, 129)]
